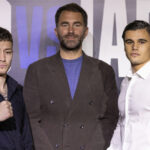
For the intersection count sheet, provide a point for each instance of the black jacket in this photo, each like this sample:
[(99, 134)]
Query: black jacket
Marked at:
[(15, 133)]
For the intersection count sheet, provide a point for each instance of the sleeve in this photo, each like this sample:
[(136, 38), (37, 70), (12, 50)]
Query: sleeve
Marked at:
[(26, 132), (23, 138), (32, 101), (116, 139), (111, 115)]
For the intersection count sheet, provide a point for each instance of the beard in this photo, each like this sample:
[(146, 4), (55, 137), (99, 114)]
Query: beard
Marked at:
[(71, 45)]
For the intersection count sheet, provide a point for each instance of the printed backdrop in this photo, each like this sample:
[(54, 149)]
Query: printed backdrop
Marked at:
[(32, 25)]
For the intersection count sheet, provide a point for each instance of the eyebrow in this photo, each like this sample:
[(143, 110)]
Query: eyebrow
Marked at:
[(142, 40), (66, 22), (78, 22), (133, 40), (9, 49), (128, 40)]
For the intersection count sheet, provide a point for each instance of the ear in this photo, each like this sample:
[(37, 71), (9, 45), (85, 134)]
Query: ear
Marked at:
[(55, 30), (86, 31)]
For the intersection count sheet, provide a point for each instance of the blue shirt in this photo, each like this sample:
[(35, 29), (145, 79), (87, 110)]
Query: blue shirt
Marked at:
[(72, 69)]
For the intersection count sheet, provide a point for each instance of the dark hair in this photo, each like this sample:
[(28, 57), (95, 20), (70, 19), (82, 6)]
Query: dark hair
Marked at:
[(5, 35), (137, 24), (73, 7)]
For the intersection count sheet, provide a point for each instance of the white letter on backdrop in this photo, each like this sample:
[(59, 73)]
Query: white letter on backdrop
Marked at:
[(114, 11), (5, 14), (143, 10), (88, 42)]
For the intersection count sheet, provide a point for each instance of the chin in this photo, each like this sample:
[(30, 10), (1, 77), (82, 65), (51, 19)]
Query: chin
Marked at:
[(3, 73)]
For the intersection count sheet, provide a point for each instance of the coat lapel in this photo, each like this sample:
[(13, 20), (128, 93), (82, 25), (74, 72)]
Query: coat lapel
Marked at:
[(83, 86), (58, 71)]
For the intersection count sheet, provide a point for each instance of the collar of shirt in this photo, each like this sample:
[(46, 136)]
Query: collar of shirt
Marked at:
[(142, 73)]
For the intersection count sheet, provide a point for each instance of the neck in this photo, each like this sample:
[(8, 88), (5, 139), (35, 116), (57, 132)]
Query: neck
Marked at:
[(135, 68), (70, 54), (2, 84)]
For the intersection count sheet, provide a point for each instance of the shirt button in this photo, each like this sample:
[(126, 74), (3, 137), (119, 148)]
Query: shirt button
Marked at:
[(91, 102), (82, 126), (66, 125), (82, 147), (51, 101), (100, 116), (57, 145)]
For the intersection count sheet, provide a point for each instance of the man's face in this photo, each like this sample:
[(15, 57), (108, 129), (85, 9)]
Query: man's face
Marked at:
[(71, 30), (137, 47), (6, 54)]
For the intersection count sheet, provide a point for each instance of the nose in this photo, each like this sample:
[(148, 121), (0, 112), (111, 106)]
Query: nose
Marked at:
[(135, 46), (2, 56), (70, 29)]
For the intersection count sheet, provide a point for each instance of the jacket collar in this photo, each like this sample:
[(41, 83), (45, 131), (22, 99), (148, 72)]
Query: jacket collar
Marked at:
[(143, 72), (12, 85)]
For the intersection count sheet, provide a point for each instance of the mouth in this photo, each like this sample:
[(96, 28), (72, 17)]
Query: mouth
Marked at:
[(70, 37), (3, 66), (134, 54)]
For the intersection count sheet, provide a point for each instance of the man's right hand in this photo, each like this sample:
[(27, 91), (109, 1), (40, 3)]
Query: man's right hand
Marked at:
[(5, 110)]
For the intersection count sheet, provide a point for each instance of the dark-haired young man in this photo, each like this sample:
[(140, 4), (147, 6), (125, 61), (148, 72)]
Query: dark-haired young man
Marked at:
[(15, 131), (133, 128), (71, 98)]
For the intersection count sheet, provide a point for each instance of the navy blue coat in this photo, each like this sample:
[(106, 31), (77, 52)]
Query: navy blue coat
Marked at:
[(15, 133)]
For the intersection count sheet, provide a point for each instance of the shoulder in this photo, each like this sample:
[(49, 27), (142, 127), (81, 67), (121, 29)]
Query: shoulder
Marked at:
[(13, 83), (43, 65), (15, 90), (125, 81), (106, 71), (103, 66), (43, 61)]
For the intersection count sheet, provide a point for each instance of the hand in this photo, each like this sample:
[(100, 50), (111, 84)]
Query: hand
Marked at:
[(5, 110)]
